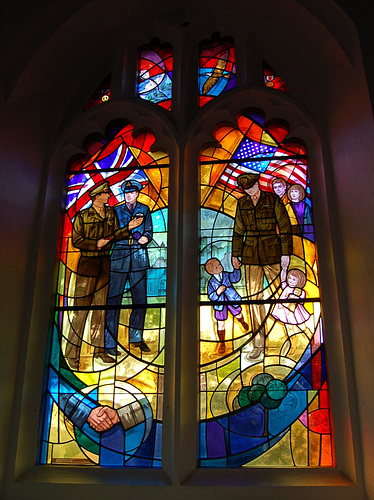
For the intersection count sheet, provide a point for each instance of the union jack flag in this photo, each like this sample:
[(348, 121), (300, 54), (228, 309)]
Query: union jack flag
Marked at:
[(113, 168)]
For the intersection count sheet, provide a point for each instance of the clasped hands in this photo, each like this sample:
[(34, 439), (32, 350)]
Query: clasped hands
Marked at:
[(102, 418)]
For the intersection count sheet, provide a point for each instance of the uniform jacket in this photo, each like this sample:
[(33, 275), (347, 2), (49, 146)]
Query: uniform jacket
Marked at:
[(128, 255), (229, 294), (255, 237), (89, 227)]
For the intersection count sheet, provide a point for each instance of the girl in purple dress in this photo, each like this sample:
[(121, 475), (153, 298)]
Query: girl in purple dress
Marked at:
[(302, 212)]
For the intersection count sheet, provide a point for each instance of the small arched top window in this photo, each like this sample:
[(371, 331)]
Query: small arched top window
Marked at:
[(217, 71), (272, 79), (101, 94), (155, 74)]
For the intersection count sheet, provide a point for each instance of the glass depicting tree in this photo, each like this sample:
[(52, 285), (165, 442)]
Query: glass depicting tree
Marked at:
[(104, 379), (264, 397)]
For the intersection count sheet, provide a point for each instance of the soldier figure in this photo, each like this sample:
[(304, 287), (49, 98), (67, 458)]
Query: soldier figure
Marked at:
[(262, 241), (94, 230)]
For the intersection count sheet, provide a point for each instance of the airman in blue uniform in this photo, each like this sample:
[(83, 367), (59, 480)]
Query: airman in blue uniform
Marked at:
[(129, 261)]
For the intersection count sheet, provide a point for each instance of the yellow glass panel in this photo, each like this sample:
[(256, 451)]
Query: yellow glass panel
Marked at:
[(203, 405), (54, 436), (146, 381), (160, 360), (209, 397), (218, 405), (311, 396), (299, 443), (226, 370), (160, 157), (211, 380), (90, 378), (205, 176), (67, 453), (314, 405), (314, 448), (278, 456), (214, 199)]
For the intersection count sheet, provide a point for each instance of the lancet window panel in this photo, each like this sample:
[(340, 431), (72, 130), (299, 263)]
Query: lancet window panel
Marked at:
[(217, 68), (105, 359), (155, 74), (264, 393)]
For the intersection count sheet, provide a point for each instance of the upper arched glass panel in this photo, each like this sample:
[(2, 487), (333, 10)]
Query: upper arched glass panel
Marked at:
[(217, 71), (155, 74), (105, 362), (101, 94), (272, 80), (264, 397)]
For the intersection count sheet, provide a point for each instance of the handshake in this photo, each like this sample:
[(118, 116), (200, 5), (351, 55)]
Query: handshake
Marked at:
[(102, 418)]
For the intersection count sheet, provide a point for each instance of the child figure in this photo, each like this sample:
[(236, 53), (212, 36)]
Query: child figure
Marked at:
[(220, 289), (292, 313)]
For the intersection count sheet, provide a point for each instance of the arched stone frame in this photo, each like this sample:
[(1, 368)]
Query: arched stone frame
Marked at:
[(302, 127), (333, 127), (142, 116)]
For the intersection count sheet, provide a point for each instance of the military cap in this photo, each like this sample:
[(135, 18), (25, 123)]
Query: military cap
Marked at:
[(132, 185), (246, 181), (100, 188)]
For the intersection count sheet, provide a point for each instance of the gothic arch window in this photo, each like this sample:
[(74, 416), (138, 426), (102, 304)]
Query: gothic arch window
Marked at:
[(264, 398), (80, 384), (106, 354)]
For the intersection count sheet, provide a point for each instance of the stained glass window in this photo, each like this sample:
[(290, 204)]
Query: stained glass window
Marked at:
[(272, 80), (101, 94), (155, 74), (105, 359), (216, 67), (264, 394)]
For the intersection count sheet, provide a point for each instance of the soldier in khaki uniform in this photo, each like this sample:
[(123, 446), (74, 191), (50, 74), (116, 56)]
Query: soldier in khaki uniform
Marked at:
[(262, 240), (94, 230)]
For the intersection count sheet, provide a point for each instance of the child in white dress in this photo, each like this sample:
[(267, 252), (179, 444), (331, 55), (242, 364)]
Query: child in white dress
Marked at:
[(293, 313)]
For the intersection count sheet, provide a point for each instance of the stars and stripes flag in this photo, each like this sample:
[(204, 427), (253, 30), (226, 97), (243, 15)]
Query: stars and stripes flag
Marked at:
[(269, 162)]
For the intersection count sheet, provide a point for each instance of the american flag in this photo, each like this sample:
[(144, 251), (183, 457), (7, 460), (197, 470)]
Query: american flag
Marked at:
[(272, 162)]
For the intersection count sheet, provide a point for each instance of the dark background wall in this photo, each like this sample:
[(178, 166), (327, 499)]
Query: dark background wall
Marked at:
[(54, 54)]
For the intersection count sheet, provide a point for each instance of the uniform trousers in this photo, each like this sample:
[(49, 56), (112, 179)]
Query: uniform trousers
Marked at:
[(255, 288), (91, 289), (138, 291)]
